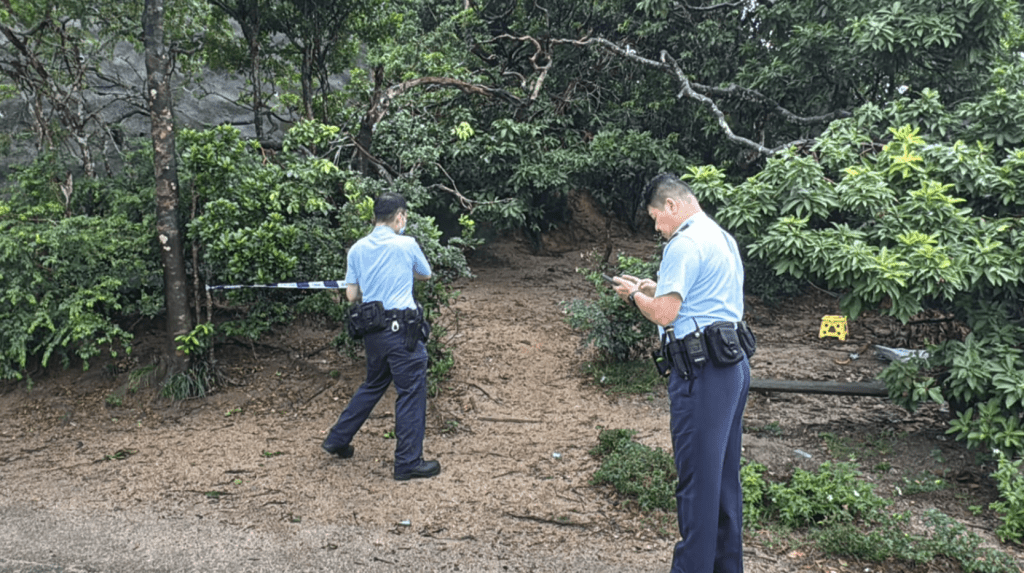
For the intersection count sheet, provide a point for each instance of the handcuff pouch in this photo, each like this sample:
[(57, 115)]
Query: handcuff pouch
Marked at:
[(723, 343)]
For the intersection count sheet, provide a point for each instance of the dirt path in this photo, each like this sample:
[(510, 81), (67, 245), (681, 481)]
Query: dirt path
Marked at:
[(237, 481)]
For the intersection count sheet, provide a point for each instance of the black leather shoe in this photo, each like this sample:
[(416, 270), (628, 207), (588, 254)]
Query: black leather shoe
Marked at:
[(345, 451), (427, 468)]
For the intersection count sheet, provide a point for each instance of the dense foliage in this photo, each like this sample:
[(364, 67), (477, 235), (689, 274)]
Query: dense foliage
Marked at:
[(908, 208), (77, 266), (293, 220), (871, 147)]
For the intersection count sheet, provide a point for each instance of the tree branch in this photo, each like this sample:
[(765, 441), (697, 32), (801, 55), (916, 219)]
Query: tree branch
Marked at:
[(715, 7), (738, 4), (697, 91), (467, 203)]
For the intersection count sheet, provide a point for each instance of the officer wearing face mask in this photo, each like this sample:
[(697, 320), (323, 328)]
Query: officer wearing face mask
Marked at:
[(379, 283)]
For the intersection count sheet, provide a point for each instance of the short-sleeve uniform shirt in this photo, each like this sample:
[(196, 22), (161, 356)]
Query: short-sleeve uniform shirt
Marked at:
[(382, 264), (701, 263)]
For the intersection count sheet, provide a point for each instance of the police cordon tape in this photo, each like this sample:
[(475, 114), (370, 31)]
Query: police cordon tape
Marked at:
[(306, 285)]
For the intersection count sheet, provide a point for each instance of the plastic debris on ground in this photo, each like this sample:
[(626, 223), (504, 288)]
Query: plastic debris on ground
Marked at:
[(900, 354)]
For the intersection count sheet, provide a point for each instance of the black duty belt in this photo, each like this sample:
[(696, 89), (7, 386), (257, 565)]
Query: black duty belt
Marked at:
[(722, 343), (403, 314)]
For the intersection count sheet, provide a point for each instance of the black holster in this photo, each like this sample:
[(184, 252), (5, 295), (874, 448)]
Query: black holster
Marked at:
[(686, 356), (412, 323), (747, 339)]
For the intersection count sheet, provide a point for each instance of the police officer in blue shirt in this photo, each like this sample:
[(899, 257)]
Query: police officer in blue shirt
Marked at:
[(380, 273), (697, 304)]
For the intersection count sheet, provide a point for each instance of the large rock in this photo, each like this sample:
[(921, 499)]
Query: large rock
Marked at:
[(201, 102)]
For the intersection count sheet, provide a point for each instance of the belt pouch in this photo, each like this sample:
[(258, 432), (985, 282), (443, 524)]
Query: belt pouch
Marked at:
[(365, 318), (747, 339), (723, 343)]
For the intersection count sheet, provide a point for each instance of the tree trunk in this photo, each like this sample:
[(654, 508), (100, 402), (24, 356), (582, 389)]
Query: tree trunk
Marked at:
[(257, 84), (306, 78), (158, 97)]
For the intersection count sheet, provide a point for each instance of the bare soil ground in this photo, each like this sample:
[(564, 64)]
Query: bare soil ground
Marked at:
[(511, 429)]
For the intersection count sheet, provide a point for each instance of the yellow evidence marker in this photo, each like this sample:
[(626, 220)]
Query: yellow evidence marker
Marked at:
[(832, 325)]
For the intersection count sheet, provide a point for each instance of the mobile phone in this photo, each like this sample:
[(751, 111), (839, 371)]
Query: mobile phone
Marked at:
[(609, 279)]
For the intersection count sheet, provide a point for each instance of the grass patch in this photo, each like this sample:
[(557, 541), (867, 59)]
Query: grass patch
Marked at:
[(640, 474), (886, 541), (632, 377), (832, 508)]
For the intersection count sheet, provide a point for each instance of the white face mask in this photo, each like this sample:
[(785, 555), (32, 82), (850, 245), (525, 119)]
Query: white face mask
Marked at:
[(405, 222)]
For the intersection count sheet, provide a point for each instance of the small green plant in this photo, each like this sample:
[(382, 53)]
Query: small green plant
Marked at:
[(1010, 506), (952, 540), (119, 455), (754, 488), (610, 326), (197, 341), (269, 454), (635, 471), (833, 494), (773, 429), (196, 382), (114, 400), (389, 435), (923, 482), (232, 412), (608, 441), (839, 446), (884, 540)]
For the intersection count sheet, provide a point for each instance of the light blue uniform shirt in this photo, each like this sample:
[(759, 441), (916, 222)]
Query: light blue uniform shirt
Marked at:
[(701, 263), (382, 264)]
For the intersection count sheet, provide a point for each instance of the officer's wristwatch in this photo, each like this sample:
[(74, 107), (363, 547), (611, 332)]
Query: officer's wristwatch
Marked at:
[(632, 297)]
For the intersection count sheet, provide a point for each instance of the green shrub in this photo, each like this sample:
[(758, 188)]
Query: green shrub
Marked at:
[(610, 440), (636, 471), (616, 330), (1010, 506), (832, 494), (904, 209), (881, 542), (294, 220), (952, 540), (71, 278), (754, 488)]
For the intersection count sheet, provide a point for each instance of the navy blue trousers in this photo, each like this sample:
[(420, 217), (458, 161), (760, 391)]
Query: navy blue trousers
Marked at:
[(707, 428), (387, 360)]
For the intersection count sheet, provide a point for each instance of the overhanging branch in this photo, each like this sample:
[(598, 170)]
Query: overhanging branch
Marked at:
[(703, 93)]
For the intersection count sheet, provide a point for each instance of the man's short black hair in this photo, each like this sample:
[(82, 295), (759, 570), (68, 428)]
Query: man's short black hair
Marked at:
[(663, 186), (387, 206)]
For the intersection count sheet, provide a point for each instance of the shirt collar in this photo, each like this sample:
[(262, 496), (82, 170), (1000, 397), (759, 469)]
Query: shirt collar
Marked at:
[(686, 224)]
